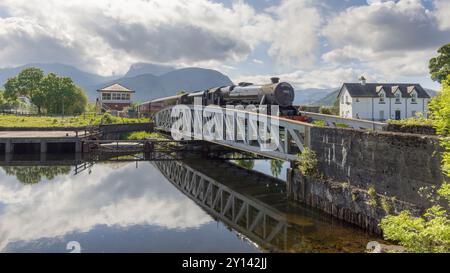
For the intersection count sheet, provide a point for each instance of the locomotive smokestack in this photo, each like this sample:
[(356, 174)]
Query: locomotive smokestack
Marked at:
[(275, 80)]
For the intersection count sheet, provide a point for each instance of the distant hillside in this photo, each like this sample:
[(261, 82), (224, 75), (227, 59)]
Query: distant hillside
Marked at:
[(81, 78), (150, 87), (328, 100), (146, 68), (331, 98), (310, 96)]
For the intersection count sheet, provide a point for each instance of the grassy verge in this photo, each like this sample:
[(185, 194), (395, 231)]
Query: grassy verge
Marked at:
[(417, 121), (78, 121), (141, 135)]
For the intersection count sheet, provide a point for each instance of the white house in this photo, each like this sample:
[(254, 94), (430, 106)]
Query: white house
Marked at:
[(382, 101)]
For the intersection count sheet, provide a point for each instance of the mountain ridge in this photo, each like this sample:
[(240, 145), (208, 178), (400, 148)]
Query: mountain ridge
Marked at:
[(147, 86)]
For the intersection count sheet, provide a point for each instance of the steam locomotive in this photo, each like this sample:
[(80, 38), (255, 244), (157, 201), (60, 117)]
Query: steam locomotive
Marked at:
[(275, 93)]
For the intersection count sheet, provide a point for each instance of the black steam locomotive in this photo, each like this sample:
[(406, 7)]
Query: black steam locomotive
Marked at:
[(275, 93)]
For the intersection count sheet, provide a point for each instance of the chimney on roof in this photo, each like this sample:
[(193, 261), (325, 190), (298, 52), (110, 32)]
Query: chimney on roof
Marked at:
[(362, 80)]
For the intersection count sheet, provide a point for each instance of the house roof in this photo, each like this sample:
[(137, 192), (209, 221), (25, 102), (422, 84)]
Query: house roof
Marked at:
[(115, 88), (371, 89)]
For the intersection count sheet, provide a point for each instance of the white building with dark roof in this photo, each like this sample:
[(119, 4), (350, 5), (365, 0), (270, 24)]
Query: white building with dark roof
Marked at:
[(382, 101), (115, 97)]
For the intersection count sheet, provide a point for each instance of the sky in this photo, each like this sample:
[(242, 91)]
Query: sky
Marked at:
[(310, 43)]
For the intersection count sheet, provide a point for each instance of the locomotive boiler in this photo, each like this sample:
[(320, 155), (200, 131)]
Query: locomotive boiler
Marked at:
[(275, 93)]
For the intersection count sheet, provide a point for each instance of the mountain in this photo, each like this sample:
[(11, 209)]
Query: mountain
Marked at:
[(328, 100), (81, 78), (311, 95), (331, 98), (146, 68), (193, 79), (150, 87), (150, 81)]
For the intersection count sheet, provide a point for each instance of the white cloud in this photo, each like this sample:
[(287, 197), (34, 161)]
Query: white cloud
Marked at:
[(393, 38), (330, 77), (79, 203), (257, 61), (107, 36), (443, 13), (294, 34)]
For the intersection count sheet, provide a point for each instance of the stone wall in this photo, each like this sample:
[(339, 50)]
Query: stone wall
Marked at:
[(114, 131), (395, 164), (346, 202)]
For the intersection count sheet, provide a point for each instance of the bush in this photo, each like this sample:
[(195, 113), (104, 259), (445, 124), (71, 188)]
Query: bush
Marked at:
[(107, 118), (141, 135), (307, 163), (320, 123)]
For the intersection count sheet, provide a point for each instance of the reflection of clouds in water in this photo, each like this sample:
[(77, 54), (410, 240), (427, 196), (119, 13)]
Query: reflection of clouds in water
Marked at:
[(121, 197)]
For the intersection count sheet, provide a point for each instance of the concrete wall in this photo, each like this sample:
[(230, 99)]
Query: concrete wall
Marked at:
[(395, 164)]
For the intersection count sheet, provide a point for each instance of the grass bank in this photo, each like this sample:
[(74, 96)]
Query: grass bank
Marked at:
[(141, 135), (78, 121)]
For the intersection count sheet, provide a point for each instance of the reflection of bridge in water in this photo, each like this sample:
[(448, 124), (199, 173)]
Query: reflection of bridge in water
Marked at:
[(255, 205), (250, 203), (242, 212)]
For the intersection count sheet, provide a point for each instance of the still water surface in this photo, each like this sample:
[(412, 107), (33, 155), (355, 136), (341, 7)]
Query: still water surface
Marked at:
[(133, 207)]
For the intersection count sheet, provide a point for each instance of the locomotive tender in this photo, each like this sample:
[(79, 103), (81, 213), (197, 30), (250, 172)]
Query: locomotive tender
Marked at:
[(275, 93)]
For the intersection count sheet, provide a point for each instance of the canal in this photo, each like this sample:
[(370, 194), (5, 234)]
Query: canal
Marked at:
[(116, 206)]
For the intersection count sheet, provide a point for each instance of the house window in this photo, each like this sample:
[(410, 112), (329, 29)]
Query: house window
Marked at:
[(116, 96), (413, 98), (342, 99), (106, 96), (125, 96), (381, 98), (347, 100), (381, 115), (413, 114), (397, 98), (356, 100)]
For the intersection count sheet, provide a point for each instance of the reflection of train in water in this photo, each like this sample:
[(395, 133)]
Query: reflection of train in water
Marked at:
[(275, 93)]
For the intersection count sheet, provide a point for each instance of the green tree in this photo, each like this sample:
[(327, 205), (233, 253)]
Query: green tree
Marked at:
[(27, 83), (2, 98), (34, 174), (440, 115), (440, 65), (275, 167), (431, 231)]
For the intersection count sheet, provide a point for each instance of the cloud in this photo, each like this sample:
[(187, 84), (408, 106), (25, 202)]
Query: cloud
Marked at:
[(257, 61), (330, 77), (443, 13), (79, 203), (107, 36), (394, 38), (295, 33)]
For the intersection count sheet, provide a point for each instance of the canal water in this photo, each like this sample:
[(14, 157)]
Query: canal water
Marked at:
[(134, 207)]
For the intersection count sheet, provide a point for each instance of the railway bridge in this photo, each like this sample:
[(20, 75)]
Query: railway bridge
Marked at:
[(244, 130)]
